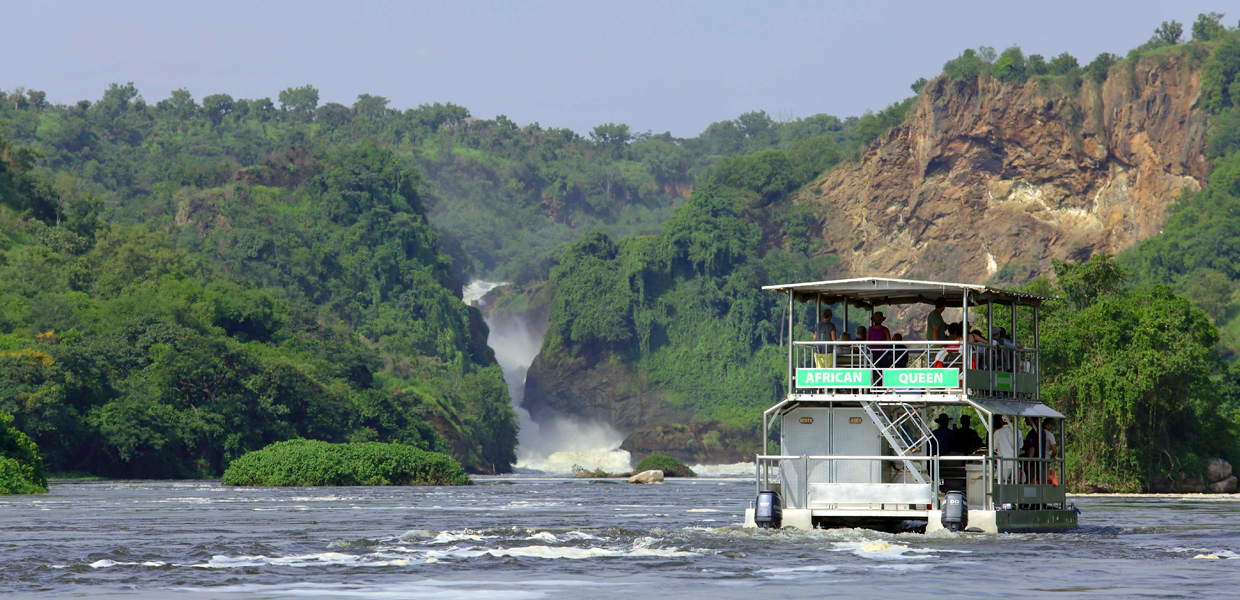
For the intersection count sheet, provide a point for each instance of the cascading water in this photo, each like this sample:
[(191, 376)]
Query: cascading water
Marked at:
[(553, 445)]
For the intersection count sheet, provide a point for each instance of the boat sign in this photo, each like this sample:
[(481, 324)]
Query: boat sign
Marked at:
[(1003, 381), (921, 378), (833, 377)]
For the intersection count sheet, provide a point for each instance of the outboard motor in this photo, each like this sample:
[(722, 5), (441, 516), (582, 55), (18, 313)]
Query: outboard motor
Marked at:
[(768, 514), (955, 512)]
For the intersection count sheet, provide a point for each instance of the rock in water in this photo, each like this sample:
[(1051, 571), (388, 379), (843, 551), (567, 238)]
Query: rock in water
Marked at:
[(1217, 470), (647, 477), (1226, 486), (583, 474)]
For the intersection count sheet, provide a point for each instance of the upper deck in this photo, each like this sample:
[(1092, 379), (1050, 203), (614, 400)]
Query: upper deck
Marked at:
[(977, 364)]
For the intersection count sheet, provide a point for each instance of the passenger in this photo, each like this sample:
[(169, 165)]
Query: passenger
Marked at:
[(860, 349), (845, 350), (1036, 446), (878, 333), (1005, 446), (936, 327), (965, 440), (825, 332), (942, 434), (944, 358), (1052, 445), (899, 351)]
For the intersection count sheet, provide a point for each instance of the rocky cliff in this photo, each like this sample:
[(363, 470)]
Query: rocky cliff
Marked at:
[(990, 179)]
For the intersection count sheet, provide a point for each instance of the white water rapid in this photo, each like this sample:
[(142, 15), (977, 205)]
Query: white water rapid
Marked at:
[(555, 445)]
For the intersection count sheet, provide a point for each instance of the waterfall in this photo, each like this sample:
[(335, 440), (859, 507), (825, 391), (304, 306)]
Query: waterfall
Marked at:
[(556, 444)]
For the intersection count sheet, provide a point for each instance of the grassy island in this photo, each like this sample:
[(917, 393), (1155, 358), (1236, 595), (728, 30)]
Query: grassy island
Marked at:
[(313, 463), (670, 466)]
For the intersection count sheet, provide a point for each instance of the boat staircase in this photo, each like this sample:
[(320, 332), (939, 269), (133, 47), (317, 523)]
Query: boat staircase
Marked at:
[(905, 430)]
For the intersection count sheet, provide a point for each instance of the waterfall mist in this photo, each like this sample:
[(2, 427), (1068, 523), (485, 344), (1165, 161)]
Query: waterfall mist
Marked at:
[(556, 444)]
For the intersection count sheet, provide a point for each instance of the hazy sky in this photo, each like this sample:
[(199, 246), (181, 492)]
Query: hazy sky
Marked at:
[(660, 66)]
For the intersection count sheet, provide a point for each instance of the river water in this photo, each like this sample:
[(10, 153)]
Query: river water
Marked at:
[(540, 537)]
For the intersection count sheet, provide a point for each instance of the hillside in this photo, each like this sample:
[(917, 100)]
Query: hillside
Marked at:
[(1004, 169), (993, 179)]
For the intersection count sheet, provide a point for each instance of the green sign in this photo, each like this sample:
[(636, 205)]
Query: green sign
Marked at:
[(833, 378), (1003, 381), (921, 378)]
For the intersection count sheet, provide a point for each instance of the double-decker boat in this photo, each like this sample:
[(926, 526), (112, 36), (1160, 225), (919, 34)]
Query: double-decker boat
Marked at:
[(855, 447)]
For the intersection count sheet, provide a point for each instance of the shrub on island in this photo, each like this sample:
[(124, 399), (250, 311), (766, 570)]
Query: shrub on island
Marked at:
[(314, 463), (21, 466), (670, 466)]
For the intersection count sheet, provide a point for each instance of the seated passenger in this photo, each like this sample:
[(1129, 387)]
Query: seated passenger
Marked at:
[(965, 440), (942, 435), (899, 351)]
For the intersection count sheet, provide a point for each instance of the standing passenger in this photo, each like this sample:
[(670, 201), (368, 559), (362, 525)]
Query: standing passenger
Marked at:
[(942, 434), (879, 333), (936, 327), (1005, 446)]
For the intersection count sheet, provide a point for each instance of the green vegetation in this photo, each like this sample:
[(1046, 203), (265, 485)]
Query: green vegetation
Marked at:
[(313, 463), (685, 306), (1198, 252), (21, 467), (313, 304), (670, 466), (1136, 371)]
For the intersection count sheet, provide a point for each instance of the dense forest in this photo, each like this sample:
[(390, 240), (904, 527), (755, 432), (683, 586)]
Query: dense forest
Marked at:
[(188, 280), (1135, 365)]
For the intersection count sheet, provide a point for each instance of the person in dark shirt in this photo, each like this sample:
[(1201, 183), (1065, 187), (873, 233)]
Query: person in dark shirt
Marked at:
[(823, 356), (965, 440), (942, 434)]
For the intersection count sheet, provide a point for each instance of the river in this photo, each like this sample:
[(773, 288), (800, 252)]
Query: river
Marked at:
[(540, 537)]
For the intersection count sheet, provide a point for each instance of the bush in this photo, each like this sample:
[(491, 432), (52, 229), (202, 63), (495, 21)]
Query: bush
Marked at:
[(21, 467), (313, 463), (670, 466)]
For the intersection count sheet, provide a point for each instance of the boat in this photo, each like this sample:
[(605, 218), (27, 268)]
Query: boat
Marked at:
[(855, 445)]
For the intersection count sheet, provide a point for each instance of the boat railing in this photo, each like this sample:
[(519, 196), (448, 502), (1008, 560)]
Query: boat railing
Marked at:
[(913, 367), (823, 481)]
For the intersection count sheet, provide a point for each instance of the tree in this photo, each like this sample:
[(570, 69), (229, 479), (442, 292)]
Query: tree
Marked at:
[(38, 99), (1101, 65), (614, 138), (1010, 65), (1062, 65), (1168, 34), (1220, 79), (1207, 26), (299, 103), (918, 85), (180, 105), (370, 107), (1036, 65), (1085, 283), (333, 115), (986, 54), (965, 67), (216, 106)]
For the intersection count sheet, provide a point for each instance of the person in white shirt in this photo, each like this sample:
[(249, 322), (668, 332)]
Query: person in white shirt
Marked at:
[(1006, 446)]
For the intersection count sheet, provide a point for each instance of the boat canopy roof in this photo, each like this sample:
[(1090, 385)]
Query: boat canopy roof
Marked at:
[(1017, 408), (881, 291)]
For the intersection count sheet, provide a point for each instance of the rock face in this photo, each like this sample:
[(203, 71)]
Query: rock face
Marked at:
[(987, 178), (647, 477), (1217, 470), (1224, 486), (603, 390), (702, 442)]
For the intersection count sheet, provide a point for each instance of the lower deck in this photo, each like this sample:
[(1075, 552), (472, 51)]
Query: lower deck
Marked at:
[(980, 521)]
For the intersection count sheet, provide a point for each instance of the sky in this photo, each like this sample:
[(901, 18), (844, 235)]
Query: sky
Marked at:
[(657, 66)]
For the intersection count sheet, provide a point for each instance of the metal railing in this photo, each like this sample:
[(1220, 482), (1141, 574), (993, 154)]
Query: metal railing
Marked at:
[(981, 358), (1020, 483)]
